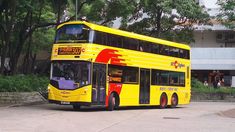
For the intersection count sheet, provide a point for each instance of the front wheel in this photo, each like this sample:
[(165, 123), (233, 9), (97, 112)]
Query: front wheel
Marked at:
[(112, 102)]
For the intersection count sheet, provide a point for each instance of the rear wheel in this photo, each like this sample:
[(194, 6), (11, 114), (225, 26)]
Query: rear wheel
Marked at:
[(112, 102), (174, 100), (163, 101), (76, 107)]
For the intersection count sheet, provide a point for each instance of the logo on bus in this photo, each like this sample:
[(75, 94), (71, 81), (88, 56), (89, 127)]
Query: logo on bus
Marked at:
[(176, 64)]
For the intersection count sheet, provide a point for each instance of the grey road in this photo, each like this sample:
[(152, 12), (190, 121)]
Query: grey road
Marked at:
[(196, 117)]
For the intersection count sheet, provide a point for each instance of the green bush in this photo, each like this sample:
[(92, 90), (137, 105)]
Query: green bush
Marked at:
[(23, 83), (199, 87)]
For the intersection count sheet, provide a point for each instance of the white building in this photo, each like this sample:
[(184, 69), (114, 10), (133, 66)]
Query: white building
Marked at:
[(213, 52)]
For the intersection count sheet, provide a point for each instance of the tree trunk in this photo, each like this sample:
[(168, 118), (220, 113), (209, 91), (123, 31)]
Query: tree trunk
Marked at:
[(159, 16)]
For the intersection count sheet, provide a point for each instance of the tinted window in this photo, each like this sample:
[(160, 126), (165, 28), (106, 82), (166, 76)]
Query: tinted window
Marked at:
[(130, 75), (100, 38), (129, 43), (155, 48), (182, 79), (123, 74), (115, 74), (144, 46), (174, 78), (72, 34), (155, 77), (161, 77), (164, 78), (139, 45), (164, 50), (174, 52)]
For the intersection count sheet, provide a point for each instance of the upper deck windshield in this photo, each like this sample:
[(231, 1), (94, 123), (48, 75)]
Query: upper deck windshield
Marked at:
[(76, 33)]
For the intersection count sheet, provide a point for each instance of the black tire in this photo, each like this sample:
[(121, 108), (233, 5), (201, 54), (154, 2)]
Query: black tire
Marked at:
[(112, 102), (174, 100), (76, 107), (163, 101)]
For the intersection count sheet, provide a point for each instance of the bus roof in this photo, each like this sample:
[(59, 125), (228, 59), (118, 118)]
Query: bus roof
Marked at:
[(127, 34)]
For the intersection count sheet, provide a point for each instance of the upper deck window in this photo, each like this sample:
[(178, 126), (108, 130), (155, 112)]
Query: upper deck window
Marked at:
[(72, 34)]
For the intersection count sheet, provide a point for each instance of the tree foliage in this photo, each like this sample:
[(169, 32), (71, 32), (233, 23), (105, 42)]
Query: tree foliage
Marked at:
[(227, 13), (169, 19), (28, 26)]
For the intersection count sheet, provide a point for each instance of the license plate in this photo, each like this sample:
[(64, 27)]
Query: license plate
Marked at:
[(64, 102)]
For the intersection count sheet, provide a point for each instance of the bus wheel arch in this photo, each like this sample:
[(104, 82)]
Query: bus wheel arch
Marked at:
[(163, 100), (174, 100), (114, 101)]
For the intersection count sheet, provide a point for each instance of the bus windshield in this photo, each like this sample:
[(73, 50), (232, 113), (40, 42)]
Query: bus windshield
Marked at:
[(72, 34), (70, 74)]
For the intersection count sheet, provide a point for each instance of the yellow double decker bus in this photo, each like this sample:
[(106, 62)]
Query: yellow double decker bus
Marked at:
[(97, 65)]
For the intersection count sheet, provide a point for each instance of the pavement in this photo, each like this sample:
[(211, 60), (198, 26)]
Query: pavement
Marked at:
[(195, 117)]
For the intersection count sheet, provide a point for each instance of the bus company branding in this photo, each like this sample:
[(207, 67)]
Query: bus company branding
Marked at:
[(110, 55), (176, 64), (69, 50)]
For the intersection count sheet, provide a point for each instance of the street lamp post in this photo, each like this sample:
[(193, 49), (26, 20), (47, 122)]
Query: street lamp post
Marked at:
[(76, 10)]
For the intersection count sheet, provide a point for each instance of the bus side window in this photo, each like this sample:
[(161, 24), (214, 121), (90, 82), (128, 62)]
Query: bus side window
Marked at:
[(174, 78), (181, 53), (164, 50), (131, 44), (182, 79), (119, 41), (99, 38), (155, 77), (126, 43), (130, 75), (155, 48), (164, 78), (144, 46), (113, 40), (187, 55), (184, 54), (174, 52), (104, 39), (115, 74)]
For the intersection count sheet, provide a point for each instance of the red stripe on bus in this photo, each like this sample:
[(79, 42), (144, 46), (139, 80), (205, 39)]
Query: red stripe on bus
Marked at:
[(107, 55), (113, 87)]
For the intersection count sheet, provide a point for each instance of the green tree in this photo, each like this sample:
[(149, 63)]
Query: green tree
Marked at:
[(21, 20), (168, 19), (227, 13)]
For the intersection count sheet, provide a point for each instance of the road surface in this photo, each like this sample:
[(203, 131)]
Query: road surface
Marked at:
[(196, 117)]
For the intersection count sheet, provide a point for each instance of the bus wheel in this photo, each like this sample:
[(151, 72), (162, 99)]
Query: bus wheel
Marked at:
[(174, 100), (163, 101), (112, 102), (76, 107)]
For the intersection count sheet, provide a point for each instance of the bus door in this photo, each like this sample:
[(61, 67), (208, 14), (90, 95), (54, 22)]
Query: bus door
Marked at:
[(99, 84), (144, 97)]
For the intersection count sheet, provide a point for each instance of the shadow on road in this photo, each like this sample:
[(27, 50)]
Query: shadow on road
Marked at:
[(99, 108)]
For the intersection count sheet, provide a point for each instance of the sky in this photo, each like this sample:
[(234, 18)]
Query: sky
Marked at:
[(210, 3), (207, 3)]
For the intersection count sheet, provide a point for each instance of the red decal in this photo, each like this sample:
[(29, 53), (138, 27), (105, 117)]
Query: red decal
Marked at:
[(109, 54), (113, 87)]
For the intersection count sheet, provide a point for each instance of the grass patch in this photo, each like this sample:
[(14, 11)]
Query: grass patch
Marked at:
[(23, 83)]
